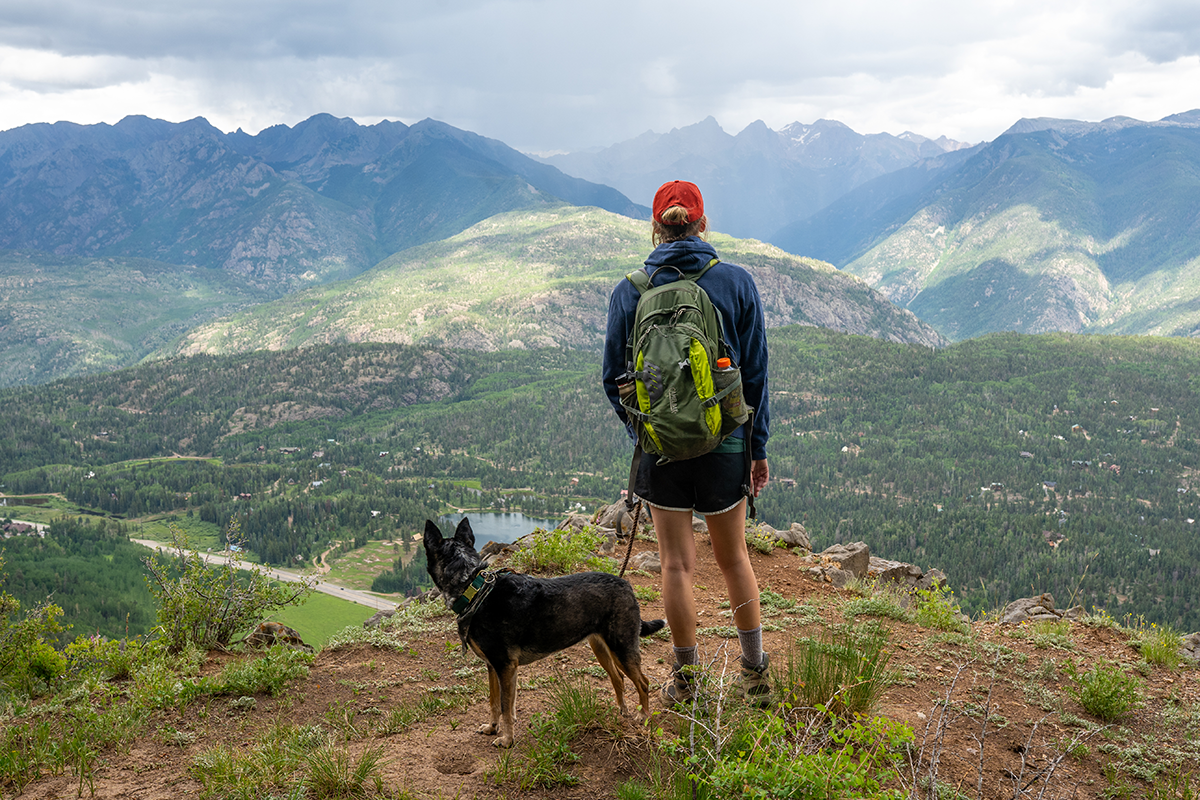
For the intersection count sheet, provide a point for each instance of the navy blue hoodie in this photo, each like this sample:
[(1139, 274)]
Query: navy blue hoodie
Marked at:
[(731, 290)]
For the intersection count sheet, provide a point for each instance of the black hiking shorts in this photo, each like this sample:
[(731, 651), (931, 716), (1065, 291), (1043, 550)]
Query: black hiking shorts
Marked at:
[(710, 484)]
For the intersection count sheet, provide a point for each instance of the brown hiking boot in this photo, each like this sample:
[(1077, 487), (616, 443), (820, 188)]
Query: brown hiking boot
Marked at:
[(756, 684), (681, 688)]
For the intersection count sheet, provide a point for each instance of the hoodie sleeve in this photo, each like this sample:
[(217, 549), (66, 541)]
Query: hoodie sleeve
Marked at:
[(752, 338), (622, 304)]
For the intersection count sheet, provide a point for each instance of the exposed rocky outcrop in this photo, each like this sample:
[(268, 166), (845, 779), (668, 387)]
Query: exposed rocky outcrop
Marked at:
[(1036, 609), (1190, 647)]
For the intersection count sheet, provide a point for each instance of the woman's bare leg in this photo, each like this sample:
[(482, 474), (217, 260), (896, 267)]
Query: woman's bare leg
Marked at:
[(677, 552), (728, 533)]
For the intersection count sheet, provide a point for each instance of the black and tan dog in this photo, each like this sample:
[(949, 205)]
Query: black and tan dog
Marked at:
[(509, 619)]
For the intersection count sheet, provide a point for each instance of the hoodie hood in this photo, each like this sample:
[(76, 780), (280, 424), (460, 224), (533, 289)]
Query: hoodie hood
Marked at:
[(687, 255)]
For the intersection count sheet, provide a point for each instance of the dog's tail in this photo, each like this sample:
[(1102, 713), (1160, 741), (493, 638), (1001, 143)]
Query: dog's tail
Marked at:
[(653, 626)]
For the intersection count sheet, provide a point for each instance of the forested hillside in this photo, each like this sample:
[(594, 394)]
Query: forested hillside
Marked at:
[(1016, 464)]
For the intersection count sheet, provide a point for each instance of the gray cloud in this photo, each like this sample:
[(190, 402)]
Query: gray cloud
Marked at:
[(544, 75)]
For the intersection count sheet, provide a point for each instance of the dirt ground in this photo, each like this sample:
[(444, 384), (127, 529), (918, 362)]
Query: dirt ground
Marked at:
[(351, 688)]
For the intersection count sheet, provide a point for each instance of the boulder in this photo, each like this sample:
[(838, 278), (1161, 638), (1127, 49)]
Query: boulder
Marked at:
[(1190, 647), (1030, 608), (378, 617), (929, 580), (609, 546), (575, 522), (617, 518), (491, 550), (854, 558), (795, 536), (881, 569), (840, 578), (647, 562)]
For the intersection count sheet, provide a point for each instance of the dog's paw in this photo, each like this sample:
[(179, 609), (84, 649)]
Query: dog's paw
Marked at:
[(504, 742), (487, 729)]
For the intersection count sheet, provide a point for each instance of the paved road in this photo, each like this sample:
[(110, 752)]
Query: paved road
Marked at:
[(353, 595)]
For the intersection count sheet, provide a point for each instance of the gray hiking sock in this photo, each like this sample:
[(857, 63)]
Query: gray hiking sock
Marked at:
[(751, 641), (685, 656)]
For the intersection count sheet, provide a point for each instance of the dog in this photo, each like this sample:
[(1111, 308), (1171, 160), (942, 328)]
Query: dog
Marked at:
[(509, 619)]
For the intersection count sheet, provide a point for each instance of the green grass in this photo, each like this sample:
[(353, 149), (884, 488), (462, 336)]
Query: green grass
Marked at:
[(322, 616), (561, 552), (844, 672), (201, 535)]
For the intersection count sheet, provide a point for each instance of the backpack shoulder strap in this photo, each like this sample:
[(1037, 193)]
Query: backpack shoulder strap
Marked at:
[(696, 276), (642, 279)]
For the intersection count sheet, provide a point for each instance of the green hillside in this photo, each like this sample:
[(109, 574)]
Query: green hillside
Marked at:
[(533, 279), (1091, 231), (62, 316)]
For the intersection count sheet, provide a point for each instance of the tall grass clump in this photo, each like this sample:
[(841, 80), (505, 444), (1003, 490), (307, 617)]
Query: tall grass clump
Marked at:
[(844, 672), (1159, 645)]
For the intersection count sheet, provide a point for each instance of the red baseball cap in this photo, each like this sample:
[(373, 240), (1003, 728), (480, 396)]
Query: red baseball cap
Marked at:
[(678, 193)]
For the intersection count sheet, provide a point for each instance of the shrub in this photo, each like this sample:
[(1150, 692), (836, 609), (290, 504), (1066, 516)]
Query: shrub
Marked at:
[(562, 551), (880, 604), (108, 659), (760, 540), (770, 758), (268, 673), (206, 607), (1105, 691), (936, 608), (1047, 633), (1159, 645), (29, 662)]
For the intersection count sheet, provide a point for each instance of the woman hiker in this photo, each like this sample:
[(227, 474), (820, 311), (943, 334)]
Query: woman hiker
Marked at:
[(711, 484)]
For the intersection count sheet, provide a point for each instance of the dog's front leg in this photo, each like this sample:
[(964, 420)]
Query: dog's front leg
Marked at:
[(494, 700), (507, 676)]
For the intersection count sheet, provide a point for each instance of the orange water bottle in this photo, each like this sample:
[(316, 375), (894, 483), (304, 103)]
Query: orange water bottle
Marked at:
[(726, 375)]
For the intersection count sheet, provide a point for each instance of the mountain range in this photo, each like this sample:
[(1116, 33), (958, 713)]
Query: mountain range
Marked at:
[(760, 180), (1055, 225), (121, 238), (285, 208)]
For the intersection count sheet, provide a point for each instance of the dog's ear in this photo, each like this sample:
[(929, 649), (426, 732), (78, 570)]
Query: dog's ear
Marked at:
[(464, 533), (433, 537)]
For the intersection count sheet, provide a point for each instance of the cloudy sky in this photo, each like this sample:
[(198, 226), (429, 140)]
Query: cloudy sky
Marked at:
[(546, 75)]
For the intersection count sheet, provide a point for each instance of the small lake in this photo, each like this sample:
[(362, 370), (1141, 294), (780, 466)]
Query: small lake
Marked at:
[(492, 526)]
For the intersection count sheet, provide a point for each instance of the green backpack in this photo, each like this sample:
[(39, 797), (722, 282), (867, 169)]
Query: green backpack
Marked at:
[(682, 406)]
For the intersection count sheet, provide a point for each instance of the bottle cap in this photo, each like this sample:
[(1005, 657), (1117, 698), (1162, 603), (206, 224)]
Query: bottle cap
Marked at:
[(724, 363)]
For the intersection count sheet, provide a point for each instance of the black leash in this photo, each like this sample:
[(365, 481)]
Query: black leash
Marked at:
[(637, 515), (634, 464)]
